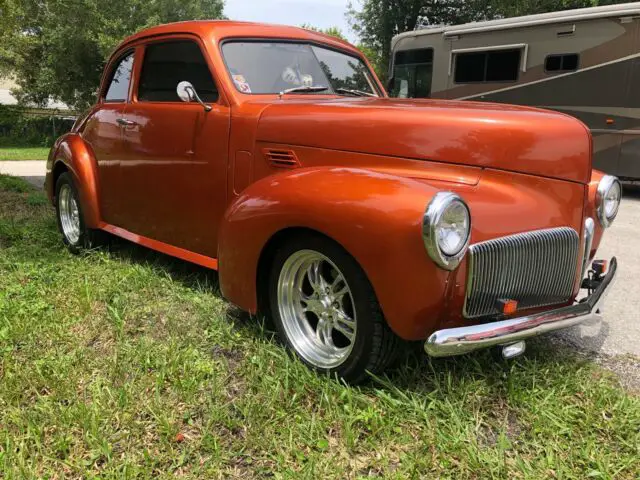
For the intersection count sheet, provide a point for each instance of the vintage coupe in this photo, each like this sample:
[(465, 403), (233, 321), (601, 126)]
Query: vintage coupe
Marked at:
[(274, 155)]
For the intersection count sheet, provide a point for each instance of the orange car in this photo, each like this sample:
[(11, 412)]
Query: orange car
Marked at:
[(274, 155)]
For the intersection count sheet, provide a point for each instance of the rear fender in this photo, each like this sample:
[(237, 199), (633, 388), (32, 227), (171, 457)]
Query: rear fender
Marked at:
[(77, 157), (376, 217)]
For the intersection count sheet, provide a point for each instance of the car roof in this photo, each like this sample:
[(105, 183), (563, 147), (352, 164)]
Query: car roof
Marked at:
[(220, 29)]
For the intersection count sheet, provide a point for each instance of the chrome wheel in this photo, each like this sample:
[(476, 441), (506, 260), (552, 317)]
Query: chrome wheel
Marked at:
[(317, 309), (69, 214)]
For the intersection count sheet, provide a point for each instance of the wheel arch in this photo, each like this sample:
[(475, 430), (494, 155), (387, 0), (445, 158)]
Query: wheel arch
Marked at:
[(59, 167), (72, 154), (375, 218), (267, 256)]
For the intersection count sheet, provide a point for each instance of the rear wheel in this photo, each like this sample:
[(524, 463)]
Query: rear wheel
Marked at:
[(325, 310), (75, 234)]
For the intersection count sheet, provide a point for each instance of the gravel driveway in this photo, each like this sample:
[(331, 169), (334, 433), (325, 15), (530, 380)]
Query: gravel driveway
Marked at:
[(619, 333)]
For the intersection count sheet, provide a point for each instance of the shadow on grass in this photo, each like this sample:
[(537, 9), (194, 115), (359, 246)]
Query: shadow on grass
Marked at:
[(413, 372)]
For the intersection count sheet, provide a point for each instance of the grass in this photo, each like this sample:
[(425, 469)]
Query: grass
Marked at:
[(24, 153), (128, 364)]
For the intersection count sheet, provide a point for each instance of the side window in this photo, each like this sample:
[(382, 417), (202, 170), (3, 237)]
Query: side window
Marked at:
[(168, 63), (562, 63), (118, 90), (412, 73), (489, 66)]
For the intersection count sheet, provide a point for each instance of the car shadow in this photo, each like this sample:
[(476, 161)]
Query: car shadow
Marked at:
[(188, 274), (631, 191), (413, 371)]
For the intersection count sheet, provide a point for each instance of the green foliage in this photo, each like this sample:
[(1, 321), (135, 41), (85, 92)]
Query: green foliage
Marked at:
[(57, 49), (20, 129), (333, 31), (377, 21)]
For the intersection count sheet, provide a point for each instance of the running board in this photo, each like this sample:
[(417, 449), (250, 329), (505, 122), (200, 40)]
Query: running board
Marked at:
[(162, 247)]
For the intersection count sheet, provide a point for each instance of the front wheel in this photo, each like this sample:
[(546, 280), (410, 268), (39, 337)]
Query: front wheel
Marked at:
[(326, 311), (70, 219)]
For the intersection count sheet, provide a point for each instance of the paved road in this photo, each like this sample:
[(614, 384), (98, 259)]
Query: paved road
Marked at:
[(31, 170), (620, 331)]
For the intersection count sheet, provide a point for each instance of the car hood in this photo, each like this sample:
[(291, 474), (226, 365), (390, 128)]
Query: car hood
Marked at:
[(504, 137)]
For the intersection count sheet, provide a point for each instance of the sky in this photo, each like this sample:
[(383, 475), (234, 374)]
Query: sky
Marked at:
[(319, 13)]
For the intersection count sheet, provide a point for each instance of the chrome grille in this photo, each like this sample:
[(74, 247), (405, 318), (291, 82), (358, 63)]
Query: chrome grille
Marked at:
[(535, 268)]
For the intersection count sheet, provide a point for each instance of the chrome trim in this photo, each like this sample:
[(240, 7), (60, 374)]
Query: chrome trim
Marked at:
[(603, 188), (458, 341), (589, 231), (317, 309), (536, 268), (430, 219)]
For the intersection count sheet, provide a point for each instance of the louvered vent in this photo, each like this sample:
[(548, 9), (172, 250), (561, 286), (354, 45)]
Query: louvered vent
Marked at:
[(281, 158)]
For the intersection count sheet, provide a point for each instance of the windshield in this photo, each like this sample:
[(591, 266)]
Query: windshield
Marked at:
[(274, 67)]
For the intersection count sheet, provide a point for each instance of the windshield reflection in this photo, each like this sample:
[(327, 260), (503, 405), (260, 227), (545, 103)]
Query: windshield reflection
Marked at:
[(272, 67)]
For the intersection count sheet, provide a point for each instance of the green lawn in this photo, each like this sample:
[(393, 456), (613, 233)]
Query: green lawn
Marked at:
[(126, 363), (24, 153)]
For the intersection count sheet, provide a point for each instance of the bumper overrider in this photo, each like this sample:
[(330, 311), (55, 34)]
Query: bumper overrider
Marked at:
[(458, 341)]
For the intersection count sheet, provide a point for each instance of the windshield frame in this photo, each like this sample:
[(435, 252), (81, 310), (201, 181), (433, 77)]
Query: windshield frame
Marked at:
[(361, 58)]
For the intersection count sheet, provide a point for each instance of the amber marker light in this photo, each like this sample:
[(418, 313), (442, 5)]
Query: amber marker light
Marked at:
[(600, 267), (508, 307)]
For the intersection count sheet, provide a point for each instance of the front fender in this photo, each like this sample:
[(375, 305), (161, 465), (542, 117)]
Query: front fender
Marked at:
[(376, 217), (77, 157)]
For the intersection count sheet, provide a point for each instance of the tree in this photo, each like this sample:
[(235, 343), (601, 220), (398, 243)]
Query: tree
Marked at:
[(57, 49), (333, 31), (377, 21)]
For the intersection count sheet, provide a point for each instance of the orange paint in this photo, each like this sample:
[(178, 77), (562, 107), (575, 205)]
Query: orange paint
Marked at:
[(198, 185)]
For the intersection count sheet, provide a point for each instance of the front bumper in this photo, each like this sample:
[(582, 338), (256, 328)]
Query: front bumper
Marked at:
[(458, 341)]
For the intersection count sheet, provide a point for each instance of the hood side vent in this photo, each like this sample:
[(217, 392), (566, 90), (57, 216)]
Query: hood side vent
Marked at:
[(281, 158)]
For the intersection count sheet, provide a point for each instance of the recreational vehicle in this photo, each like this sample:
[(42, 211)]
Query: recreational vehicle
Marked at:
[(583, 62)]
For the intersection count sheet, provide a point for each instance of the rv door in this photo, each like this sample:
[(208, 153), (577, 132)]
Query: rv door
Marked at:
[(629, 161)]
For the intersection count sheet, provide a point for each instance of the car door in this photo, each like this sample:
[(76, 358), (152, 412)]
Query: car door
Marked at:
[(174, 168), (103, 132)]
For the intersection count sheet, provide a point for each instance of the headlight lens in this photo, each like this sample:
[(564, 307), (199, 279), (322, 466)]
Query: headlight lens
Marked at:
[(608, 199), (453, 228), (446, 228)]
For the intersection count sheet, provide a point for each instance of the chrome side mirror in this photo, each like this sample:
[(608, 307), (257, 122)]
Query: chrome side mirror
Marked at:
[(187, 93)]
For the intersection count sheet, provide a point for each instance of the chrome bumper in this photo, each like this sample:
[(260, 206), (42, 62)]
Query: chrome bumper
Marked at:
[(458, 341)]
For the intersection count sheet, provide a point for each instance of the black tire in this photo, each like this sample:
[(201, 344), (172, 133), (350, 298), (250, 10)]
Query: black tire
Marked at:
[(88, 238), (375, 346)]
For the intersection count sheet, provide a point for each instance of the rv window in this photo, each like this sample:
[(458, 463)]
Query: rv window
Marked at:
[(562, 63), (423, 55), (412, 72), (492, 66)]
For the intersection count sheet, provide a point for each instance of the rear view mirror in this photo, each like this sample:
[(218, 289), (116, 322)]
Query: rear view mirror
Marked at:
[(187, 93), (184, 91)]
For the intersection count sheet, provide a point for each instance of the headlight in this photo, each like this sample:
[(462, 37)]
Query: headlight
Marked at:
[(446, 228), (608, 199)]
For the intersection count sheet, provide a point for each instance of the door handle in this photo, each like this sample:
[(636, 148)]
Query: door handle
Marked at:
[(123, 122)]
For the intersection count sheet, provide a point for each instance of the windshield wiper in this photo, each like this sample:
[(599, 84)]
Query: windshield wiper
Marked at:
[(357, 93), (304, 89)]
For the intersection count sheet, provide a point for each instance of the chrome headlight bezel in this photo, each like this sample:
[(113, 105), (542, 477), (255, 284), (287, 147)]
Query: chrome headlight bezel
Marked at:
[(439, 204), (604, 187)]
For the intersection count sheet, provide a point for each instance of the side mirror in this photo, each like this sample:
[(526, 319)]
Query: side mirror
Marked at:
[(187, 93)]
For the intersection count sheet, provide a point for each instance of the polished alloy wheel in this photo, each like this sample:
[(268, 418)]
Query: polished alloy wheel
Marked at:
[(317, 309), (69, 214)]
